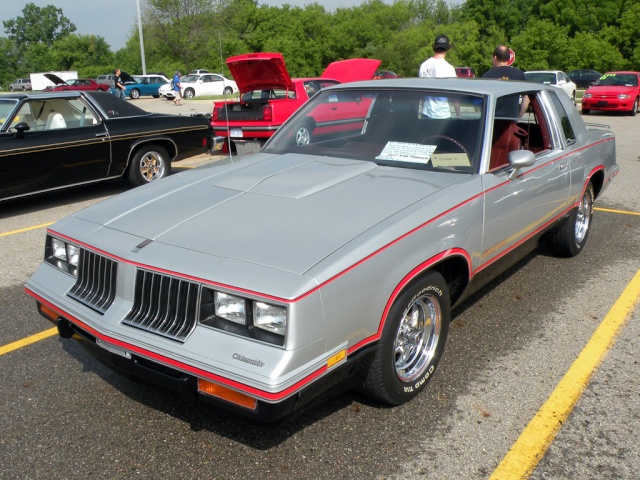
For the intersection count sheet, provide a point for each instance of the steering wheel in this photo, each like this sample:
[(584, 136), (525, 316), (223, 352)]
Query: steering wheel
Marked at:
[(449, 139)]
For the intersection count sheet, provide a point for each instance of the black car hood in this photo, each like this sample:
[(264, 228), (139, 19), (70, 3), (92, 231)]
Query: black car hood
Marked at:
[(54, 78)]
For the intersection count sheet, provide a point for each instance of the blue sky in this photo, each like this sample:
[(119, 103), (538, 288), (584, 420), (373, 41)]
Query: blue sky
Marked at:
[(115, 19)]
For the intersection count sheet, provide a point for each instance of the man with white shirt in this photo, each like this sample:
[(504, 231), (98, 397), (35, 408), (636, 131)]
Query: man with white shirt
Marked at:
[(437, 67)]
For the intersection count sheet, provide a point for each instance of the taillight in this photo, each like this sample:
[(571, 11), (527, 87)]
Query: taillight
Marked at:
[(267, 113), (214, 115)]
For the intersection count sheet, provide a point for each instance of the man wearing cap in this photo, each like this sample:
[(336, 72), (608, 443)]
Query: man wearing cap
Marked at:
[(436, 66)]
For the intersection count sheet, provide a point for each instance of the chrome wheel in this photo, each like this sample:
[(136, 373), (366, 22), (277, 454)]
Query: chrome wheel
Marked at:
[(583, 217), (189, 93), (152, 166), (150, 162), (417, 337)]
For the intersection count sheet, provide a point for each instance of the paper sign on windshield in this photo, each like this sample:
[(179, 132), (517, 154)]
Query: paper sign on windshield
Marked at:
[(406, 152)]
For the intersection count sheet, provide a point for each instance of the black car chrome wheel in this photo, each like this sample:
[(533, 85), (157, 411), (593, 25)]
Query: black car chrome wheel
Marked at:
[(150, 162)]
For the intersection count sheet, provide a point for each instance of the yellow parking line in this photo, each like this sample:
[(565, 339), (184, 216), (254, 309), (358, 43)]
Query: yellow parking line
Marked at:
[(22, 230), (28, 341), (623, 212), (535, 439)]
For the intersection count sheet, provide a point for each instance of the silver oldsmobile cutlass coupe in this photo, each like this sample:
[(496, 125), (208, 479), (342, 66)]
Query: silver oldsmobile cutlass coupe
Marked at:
[(335, 254)]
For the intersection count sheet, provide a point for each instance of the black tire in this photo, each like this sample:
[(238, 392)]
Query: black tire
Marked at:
[(189, 93), (134, 93), (571, 238), (227, 91), (585, 111), (150, 162), (412, 342), (156, 96), (573, 98), (634, 110)]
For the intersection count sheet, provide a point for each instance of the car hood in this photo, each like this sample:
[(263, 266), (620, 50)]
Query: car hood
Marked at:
[(611, 90), (352, 70), (263, 71), (281, 211), (54, 78)]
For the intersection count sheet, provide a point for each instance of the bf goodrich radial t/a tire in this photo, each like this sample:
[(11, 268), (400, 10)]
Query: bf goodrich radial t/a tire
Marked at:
[(412, 342), (150, 162), (571, 238)]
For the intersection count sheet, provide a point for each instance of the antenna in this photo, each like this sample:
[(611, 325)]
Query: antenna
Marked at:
[(226, 111)]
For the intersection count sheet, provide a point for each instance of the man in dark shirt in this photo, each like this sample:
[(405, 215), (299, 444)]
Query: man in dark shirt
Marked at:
[(503, 71)]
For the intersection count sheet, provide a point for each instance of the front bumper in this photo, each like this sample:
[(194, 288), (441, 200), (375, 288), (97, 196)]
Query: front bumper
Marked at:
[(134, 366), (612, 105)]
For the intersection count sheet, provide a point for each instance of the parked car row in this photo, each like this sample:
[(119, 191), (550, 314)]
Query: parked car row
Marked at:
[(553, 77)]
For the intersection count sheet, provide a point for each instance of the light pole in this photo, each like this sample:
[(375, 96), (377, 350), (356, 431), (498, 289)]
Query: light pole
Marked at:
[(144, 66)]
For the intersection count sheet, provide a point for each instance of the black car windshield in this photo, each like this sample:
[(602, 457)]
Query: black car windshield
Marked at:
[(405, 128), (6, 107)]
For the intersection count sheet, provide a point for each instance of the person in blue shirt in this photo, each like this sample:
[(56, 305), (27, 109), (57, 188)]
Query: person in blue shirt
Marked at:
[(177, 90)]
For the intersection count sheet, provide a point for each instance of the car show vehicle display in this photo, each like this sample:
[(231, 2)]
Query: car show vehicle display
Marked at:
[(465, 72), (141, 85), (268, 96), (331, 259), (553, 77), (59, 85), (201, 84), (613, 92), (583, 78), (60, 139)]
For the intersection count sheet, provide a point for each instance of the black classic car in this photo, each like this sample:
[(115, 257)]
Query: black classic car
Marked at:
[(60, 139)]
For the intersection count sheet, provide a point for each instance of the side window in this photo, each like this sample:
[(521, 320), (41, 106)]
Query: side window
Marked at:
[(24, 115), (565, 123)]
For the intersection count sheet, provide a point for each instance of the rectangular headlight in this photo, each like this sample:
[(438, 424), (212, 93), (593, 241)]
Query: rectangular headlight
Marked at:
[(270, 318), (230, 308), (59, 249), (73, 254)]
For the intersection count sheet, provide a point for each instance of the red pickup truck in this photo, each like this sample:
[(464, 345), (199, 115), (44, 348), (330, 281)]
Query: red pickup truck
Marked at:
[(268, 95)]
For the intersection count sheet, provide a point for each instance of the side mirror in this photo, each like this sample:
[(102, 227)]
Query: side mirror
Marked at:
[(519, 159), (20, 128)]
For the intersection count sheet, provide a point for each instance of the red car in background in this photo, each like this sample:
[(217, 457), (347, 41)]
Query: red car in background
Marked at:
[(380, 74), (268, 96), (613, 92), (465, 72), (86, 84)]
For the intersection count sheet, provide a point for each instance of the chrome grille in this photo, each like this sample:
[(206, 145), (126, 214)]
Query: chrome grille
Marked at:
[(96, 283), (164, 305)]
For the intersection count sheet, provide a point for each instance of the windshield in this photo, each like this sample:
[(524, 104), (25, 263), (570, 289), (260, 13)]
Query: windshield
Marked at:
[(404, 128), (541, 77), (6, 107), (618, 79), (189, 79)]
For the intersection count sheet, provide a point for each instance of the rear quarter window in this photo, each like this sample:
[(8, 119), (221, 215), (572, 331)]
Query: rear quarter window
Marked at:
[(563, 117)]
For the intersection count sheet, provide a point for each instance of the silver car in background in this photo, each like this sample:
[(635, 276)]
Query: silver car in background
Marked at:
[(332, 257)]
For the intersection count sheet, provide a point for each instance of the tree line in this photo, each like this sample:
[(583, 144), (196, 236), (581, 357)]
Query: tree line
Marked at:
[(188, 34)]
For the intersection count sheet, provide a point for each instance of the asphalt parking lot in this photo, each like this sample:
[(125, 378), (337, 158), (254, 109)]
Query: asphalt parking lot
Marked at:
[(551, 346)]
